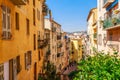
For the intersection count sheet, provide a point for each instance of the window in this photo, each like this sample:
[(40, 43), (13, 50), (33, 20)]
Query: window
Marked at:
[(17, 20), (42, 53), (100, 39), (38, 39), (6, 33), (28, 59), (34, 16), (33, 2), (34, 41), (47, 36), (38, 14), (39, 57), (28, 26), (53, 57), (1, 72), (38, 35), (110, 36), (18, 64)]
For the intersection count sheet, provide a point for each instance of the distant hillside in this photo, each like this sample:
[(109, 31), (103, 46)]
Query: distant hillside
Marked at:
[(76, 32)]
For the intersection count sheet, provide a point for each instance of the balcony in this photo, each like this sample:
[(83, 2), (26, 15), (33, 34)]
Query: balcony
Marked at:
[(95, 36), (59, 45), (112, 22), (45, 9), (106, 3), (58, 37), (19, 2), (53, 29), (42, 43), (58, 54), (48, 52), (6, 35)]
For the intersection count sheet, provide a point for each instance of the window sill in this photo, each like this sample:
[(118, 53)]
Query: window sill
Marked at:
[(6, 39), (28, 67)]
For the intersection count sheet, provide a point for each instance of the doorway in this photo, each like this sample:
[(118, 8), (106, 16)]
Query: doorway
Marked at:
[(35, 71), (12, 69)]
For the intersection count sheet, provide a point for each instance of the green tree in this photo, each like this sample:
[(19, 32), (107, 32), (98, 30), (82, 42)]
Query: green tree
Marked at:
[(98, 67), (50, 73)]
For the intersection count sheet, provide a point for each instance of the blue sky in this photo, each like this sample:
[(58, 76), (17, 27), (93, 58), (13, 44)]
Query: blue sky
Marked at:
[(71, 14)]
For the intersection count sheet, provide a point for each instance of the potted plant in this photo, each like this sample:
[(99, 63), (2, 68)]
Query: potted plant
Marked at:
[(116, 11), (114, 21)]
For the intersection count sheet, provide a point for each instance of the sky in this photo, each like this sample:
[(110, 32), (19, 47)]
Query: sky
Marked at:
[(71, 14)]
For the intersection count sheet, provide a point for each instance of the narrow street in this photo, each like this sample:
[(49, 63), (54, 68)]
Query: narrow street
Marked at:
[(69, 69)]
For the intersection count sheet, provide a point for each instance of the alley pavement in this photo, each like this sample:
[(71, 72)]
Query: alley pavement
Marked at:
[(69, 69)]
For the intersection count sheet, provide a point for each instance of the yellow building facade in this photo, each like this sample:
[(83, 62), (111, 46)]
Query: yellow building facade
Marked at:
[(22, 31), (92, 29), (76, 50)]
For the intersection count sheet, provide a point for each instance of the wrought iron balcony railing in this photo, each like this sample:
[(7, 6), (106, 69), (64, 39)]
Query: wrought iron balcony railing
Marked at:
[(53, 29), (58, 37), (45, 9), (111, 21), (42, 43)]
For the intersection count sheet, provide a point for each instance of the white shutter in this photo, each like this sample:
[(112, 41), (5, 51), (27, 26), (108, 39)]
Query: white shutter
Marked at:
[(8, 30), (6, 22)]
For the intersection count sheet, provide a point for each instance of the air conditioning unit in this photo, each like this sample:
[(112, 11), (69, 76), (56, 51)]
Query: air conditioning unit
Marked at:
[(19, 2)]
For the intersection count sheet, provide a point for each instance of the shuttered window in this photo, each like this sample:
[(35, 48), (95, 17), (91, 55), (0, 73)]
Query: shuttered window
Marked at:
[(28, 26), (28, 59), (34, 3), (38, 14), (34, 17), (34, 39), (17, 20), (1, 72), (39, 56), (18, 64), (6, 23)]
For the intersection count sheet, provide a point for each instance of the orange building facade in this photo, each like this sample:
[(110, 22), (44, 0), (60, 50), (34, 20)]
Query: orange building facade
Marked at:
[(21, 32)]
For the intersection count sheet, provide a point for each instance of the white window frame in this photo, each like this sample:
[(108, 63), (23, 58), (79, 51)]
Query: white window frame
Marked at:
[(28, 57), (6, 29)]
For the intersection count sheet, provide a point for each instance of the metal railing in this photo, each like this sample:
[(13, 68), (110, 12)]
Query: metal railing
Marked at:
[(111, 21)]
